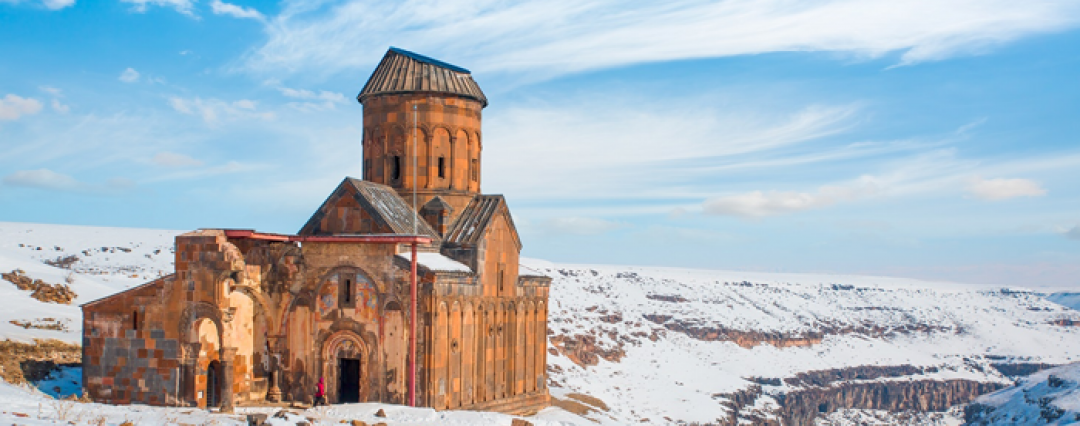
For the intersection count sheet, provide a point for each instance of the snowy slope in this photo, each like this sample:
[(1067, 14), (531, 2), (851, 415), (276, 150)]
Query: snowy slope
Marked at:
[(951, 331), (1047, 397), (109, 260)]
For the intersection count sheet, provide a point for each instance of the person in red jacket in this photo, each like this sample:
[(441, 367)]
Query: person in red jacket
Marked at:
[(320, 393)]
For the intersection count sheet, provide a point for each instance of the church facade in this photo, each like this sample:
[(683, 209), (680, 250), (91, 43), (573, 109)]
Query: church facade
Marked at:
[(403, 287)]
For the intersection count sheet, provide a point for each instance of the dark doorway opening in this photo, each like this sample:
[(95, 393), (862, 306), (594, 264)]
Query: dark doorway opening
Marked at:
[(348, 380), (212, 388)]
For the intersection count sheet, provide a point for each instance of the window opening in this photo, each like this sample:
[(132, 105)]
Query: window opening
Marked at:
[(442, 167), (135, 320), (348, 291), (397, 168)]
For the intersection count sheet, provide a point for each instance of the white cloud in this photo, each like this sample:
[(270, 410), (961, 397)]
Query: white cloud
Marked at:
[(60, 107), (612, 146), (12, 107), (214, 111), (1003, 189), (49, 4), (245, 104), (42, 179), (221, 8), (129, 76), (552, 37), (49, 180), (312, 101), (52, 91), (58, 4), (760, 204), (203, 172), (172, 159), (581, 225), (1074, 233), (182, 6)]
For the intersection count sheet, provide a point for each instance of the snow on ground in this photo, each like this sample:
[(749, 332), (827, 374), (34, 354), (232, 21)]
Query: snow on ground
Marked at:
[(959, 330), (108, 260), (1046, 397), (849, 417), (24, 405)]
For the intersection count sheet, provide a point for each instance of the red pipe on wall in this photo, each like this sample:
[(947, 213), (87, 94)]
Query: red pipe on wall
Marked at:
[(412, 333)]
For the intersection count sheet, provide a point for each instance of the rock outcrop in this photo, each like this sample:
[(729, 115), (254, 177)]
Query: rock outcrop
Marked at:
[(863, 387)]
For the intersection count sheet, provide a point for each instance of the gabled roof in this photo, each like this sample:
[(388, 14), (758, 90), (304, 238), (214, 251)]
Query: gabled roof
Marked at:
[(383, 204), (402, 71), (472, 223)]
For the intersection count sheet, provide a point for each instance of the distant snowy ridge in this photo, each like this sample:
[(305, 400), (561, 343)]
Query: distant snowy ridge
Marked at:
[(693, 345)]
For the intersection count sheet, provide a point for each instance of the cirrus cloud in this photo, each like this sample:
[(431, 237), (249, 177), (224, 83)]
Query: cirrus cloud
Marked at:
[(1003, 189), (172, 159), (49, 180), (771, 203), (581, 225), (547, 38)]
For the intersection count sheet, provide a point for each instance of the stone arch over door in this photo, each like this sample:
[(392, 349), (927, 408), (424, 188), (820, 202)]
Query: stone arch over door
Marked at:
[(345, 344), (192, 359), (207, 373), (193, 313)]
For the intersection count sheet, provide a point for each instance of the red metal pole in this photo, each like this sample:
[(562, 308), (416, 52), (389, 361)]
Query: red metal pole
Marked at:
[(412, 333)]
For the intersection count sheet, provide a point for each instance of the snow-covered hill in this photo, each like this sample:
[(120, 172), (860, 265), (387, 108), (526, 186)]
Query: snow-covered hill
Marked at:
[(682, 344), (678, 346), (96, 261), (1047, 397)]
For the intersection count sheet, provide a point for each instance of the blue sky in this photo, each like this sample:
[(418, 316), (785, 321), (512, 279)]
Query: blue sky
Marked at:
[(928, 138)]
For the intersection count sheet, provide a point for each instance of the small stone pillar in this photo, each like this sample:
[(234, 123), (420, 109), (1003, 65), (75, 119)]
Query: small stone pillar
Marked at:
[(188, 370), (274, 394), (227, 355)]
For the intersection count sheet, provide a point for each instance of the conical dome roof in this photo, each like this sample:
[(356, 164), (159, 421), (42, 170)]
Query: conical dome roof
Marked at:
[(402, 71)]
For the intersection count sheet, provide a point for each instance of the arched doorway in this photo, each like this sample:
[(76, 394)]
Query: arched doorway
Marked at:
[(345, 368), (213, 388)]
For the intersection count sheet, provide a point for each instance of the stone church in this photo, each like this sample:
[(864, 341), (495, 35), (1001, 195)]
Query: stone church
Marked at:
[(403, 287)]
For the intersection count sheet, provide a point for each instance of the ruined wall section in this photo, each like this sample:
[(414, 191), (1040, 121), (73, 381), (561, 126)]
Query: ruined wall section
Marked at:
[(126, 356)]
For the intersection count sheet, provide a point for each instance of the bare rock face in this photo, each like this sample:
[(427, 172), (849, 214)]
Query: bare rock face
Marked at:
[(40, 290), (749, 339), (825, 391), (1014, 370), (801, 407), (584, 351)]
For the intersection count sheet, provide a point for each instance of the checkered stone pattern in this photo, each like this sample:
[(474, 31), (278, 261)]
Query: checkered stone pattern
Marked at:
[(139, 367)]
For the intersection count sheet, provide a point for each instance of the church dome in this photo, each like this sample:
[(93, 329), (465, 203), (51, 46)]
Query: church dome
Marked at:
[(402, 71)]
